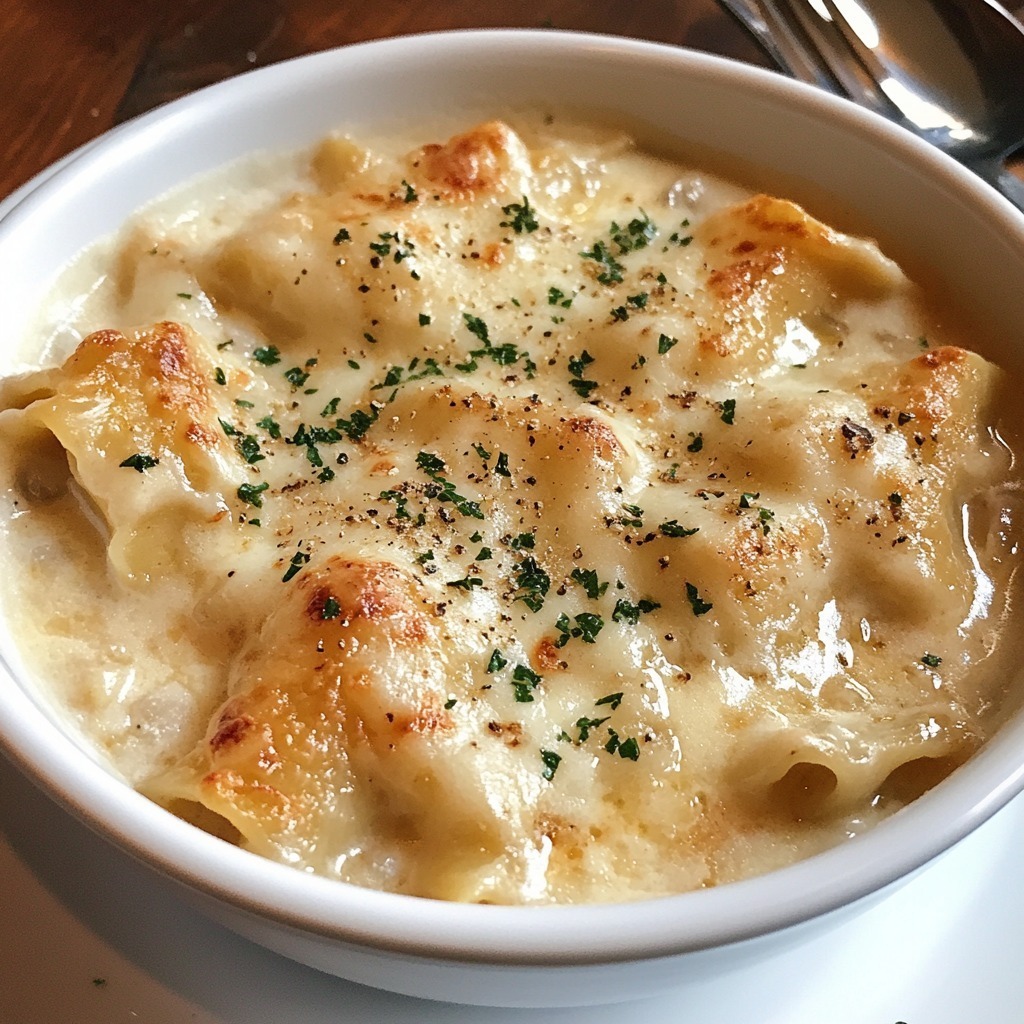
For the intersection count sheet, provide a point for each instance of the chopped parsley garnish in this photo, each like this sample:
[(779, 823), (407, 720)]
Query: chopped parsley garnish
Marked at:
[(229, 428), (244, 403), (506, 354), (444, 490), (484, 555), (896, 498), (522, 540), (296, 376), (298, 560), (410, 192), (613, 700), (524, 682), (673, 529), (665, 343), (271, 426), (626, 611), (331, 608), (251, 493), (249, 448), (766, 516), (729, 411), (532, 582), (587, 579), (330, 409), (633, 517), (450, 703), (696, 444), (611, 269), (139, 462), (629, 749), (501, 466), (523, 217), (184, 295), (577, 364), (342, 236), (699, 606), (219, 376), (497, 661), (424, 319), (466, 583), (931, 660), (586, 629), (556, 297), (482, 452), (551, 762), (747, 497), (356, 426), (586, 724), (636, 234), (267, 355), (401, 503)]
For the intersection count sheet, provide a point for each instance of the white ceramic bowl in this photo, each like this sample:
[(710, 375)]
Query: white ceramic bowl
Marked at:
[(926, 210)]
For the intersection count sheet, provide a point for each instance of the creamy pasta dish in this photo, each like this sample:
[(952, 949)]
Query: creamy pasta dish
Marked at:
[(514, 516)]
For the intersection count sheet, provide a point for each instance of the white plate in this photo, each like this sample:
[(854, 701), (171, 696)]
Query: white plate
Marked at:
[(87, 936)]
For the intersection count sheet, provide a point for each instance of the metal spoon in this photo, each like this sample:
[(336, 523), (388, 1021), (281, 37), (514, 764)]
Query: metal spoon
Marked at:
[(952, 71)]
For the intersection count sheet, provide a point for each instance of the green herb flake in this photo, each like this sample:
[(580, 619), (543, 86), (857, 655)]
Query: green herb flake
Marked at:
[(629, 749), (699, 606), (267, 355), (424, 319), (139, 462), (613, 700), (532, 583), (251, 494), (298, 560), (523, 217), (342, 236), (931, 660), (410, 193), (673, 529), (729, 411), (219, 376), (497, 661), (665, 343), (696, 444), (626, 611), (331, 608), (249, 449), (586, 724), (467, 583), (611, 270), (551, 762), (524, 682), (587, 579)]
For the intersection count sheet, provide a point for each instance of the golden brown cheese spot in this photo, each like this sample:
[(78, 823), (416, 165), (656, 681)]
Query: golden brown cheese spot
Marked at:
[(933, 381), (475, 161), (595, 438)]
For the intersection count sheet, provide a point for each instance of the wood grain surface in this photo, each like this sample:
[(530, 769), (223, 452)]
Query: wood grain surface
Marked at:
[(71, 69)]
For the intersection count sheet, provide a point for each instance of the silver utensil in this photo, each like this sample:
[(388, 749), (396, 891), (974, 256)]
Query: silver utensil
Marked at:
[(951, 71)]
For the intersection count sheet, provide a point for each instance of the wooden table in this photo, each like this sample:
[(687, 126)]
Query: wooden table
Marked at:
[(71, 69)]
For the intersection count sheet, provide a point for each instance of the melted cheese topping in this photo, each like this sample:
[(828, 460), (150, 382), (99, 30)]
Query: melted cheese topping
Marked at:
[(519, 518)]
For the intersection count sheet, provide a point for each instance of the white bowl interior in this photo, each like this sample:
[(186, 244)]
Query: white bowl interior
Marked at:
[(925, 210)]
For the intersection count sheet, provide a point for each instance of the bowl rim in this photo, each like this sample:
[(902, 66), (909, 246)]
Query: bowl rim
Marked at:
[(469, 933)]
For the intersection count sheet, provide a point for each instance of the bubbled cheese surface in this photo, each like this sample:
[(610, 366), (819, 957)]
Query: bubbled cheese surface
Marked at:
[(511, 516)]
